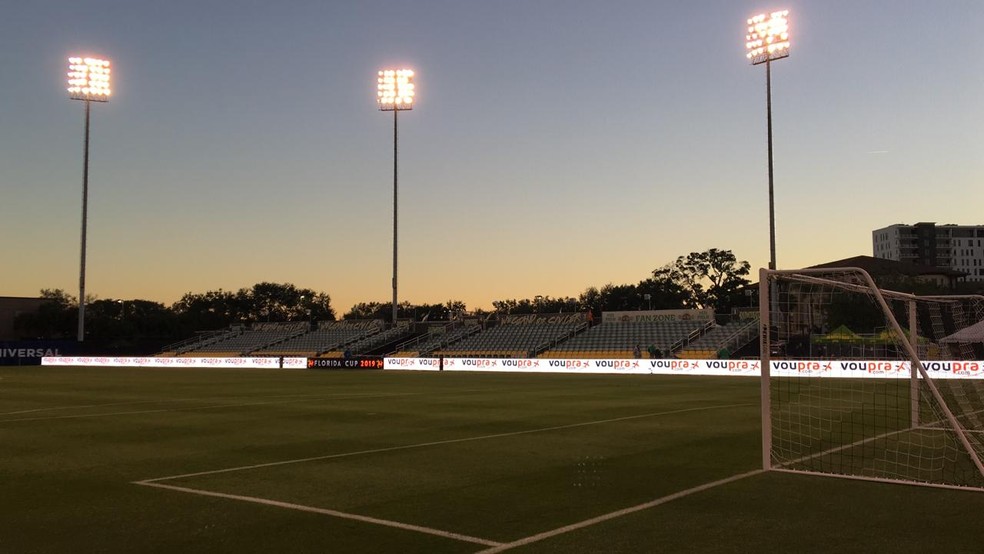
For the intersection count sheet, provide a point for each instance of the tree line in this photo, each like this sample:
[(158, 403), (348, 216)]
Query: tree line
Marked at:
[(710, 279)]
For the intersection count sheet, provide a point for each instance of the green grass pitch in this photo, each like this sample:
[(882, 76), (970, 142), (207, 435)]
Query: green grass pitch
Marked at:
[(147, 460)]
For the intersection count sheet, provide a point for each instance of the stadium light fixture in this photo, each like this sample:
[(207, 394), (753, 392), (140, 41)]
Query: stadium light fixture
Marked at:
[(768, 37), (89, 81), (395, 89), (768, 40), (395, 92)]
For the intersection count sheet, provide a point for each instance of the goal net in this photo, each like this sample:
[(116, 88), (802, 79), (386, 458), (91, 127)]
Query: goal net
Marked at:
[(871, 384)]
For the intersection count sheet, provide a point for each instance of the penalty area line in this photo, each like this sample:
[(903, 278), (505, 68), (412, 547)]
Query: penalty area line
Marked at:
[(443, 442), (619, 513), (327, 512)]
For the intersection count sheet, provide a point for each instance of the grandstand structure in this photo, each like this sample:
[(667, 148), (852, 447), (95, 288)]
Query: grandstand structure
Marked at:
[(329, 339), (720, 341), (522, 336), (438, 337), (676, 333), (619, 339), (193, 344)]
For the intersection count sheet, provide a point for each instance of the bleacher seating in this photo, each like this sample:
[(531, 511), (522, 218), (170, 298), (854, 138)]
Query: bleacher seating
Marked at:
[(721, 338), (258, 336), (368, 343), (541, 335), (619, 339), (203, 339), (437, 338), (331, 335), (516, 337)]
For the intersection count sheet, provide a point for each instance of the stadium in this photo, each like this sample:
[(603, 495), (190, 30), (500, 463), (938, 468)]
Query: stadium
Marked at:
[(822, 408), (542, 432)]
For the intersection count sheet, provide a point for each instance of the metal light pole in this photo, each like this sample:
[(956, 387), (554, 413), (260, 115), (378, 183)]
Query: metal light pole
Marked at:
[(768, 40), (395, 93), (88, 80)]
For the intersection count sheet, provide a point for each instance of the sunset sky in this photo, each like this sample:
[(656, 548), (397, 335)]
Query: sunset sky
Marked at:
[(554, 144)]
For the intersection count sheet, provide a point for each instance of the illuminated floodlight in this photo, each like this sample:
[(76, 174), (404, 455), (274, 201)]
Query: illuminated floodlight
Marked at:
[(395, 89), (767, 40), (88, 79), (395, 93), (768, 37)]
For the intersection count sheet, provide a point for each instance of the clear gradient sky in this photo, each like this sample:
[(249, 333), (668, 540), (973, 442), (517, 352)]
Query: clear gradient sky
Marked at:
[(554, 144)]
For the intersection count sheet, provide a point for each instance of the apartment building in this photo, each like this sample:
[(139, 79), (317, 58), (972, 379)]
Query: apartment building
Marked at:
[(956, 247)]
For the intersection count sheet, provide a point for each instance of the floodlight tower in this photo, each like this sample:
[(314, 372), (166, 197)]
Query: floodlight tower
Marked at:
[(88, 80), (395, 93), (768, 40)]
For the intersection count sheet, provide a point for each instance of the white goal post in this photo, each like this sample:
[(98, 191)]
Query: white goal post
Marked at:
[(872, 384)]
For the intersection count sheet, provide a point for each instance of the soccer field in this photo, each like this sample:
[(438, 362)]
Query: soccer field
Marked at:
[(198, 460)]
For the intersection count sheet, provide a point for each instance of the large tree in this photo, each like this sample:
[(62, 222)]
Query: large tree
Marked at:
[(712, 279), (213, 309), (616, 298), (537, 305), (285, 302), (56, 318), (663, 294), (649, 294), (129, 319), (405, 310), (262, 302), (106, 319)]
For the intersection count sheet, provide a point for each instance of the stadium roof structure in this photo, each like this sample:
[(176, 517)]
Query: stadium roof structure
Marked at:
[(974, 333), (880, 267)]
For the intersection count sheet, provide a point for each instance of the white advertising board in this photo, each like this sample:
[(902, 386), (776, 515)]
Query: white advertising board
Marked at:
[(118, 361), (881, 369), (783, 368)]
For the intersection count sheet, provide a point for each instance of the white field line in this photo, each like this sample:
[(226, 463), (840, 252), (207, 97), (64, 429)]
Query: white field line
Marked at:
[(497, 546), (438, 443), (879, 480), (784, 465), (933, 427), (619, 513), (209, 407), (131, 402), (82, 407), (963, 415), (333, 513)]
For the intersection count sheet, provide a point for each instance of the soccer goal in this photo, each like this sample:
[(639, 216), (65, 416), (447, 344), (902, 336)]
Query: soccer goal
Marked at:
[(865, 383)]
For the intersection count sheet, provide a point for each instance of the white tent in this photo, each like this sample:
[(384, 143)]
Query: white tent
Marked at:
[(974, 333)]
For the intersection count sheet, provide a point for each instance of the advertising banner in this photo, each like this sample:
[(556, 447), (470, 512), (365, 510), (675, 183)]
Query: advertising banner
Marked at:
[(752, 368), (30, 352), (541, 319), (345, 363), (880, 369), (658, 316), (175, 362)]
